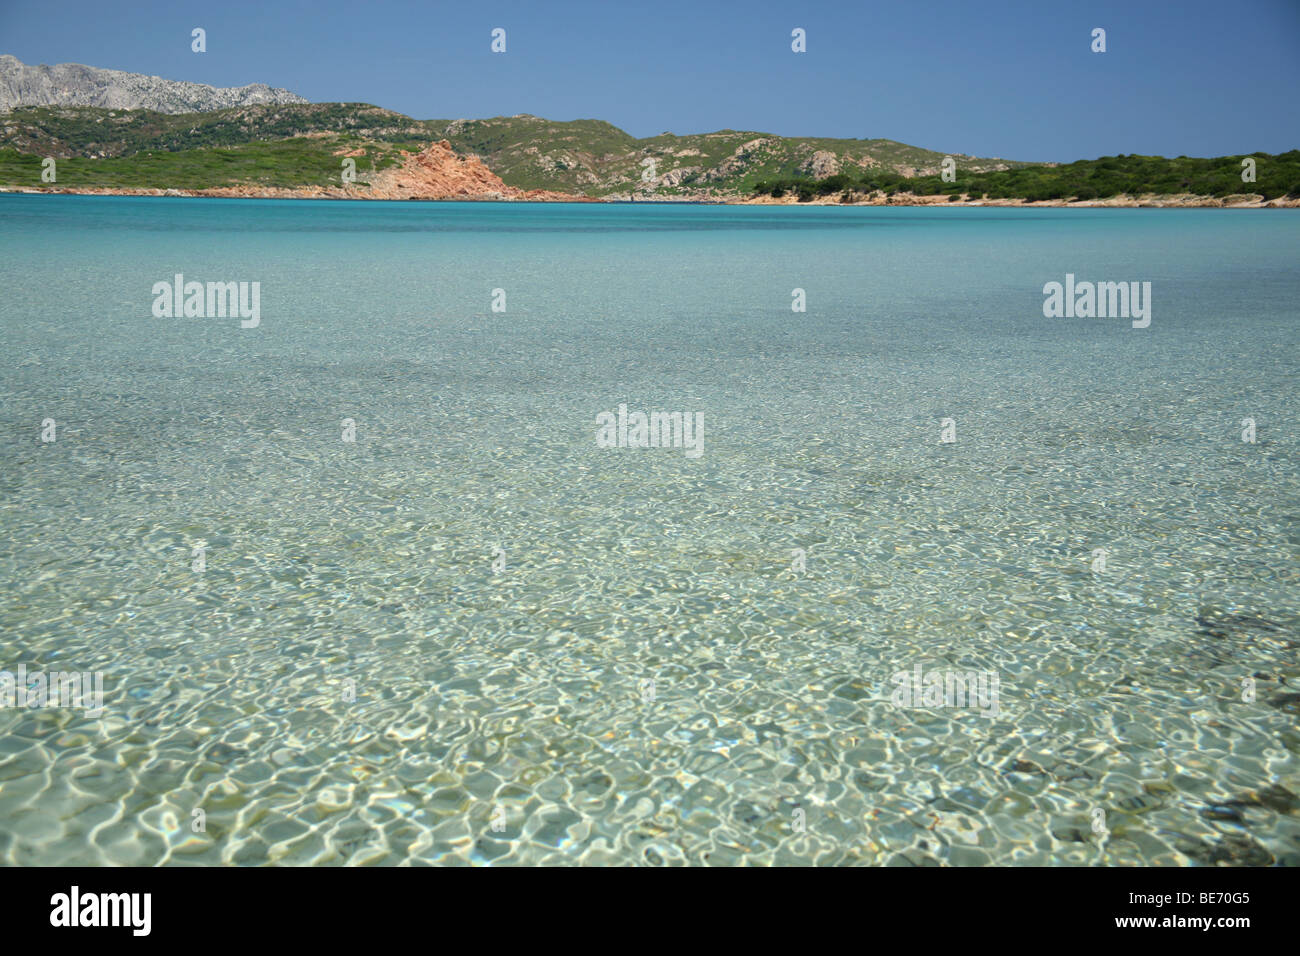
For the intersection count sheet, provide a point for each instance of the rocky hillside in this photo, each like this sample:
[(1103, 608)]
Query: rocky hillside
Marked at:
[(601, 160), (72, 84), (586, 157)]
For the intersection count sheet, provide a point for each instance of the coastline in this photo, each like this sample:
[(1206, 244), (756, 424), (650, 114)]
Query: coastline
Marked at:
[(1122, 201), (1146, 201)]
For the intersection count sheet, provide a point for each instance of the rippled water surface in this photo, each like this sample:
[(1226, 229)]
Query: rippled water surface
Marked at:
[(473, 636)]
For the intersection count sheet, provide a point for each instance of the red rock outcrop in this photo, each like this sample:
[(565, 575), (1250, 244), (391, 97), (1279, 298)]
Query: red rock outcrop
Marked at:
[(436, 172)]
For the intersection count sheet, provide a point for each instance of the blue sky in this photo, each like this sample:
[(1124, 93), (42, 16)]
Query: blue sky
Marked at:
[(1012, 79)]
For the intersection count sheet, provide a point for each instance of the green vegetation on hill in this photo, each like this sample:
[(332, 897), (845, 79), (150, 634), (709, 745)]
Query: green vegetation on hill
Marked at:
[(92, 132), (288, 163), (1276, 176), (583, 156)]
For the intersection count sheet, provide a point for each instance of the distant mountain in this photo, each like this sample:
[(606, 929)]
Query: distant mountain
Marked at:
[(71, 84)]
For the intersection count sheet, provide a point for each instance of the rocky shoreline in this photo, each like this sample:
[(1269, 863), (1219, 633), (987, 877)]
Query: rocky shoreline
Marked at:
[(1146, 201), (364, 192)]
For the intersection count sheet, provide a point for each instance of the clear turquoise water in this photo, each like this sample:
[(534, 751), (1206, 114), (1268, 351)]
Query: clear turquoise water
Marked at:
[(372, 562)]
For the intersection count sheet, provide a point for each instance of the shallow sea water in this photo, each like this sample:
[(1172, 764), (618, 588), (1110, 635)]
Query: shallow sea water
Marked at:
[(522, 694)]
